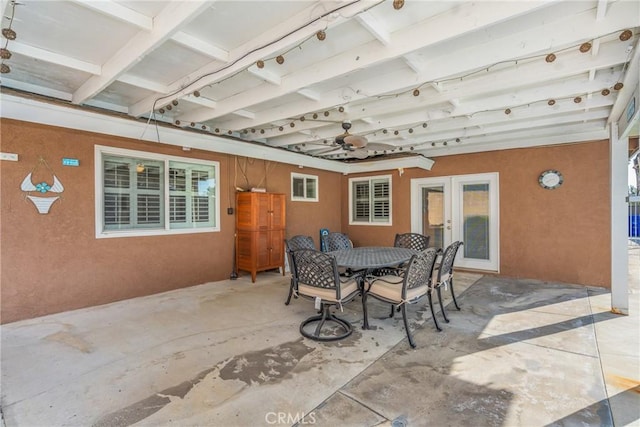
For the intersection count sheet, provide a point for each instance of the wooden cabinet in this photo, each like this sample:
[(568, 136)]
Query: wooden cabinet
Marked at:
[(260, 230)]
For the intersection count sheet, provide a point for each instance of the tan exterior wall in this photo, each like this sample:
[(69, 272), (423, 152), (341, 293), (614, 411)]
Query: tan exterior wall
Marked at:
[(555, 235), (51, 263)]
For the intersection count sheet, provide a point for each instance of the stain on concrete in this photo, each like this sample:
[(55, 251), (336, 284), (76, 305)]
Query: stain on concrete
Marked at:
[(268, 365), (134, 413), (256, 367), (75, 341)]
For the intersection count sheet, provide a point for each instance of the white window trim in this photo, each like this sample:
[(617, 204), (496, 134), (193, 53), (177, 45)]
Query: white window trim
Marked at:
[(370, 178), (99, 150), (305, 198)]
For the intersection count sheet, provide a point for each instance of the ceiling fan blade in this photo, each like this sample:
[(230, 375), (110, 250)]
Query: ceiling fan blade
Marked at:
[(360, 153), (355, 141), (379, 146)]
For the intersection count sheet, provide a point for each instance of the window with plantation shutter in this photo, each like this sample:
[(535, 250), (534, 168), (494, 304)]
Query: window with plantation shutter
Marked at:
[(370, 200), (150, 194)]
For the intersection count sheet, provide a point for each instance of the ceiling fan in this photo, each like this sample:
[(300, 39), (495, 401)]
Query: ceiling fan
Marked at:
[(356, 146)]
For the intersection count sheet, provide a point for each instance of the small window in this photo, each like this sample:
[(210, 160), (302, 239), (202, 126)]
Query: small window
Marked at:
[(304, 187), (370, 200), (140, 193)]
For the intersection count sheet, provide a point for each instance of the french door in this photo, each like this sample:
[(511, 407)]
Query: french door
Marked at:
[(461, 207)]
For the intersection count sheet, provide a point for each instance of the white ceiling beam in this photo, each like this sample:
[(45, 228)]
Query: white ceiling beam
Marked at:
[(200, 100), (515, 125), (268, 44), (40, 90), (529, 42), (413, 62), (200, 46), (141, 83), (530, 141), (630, 82), (266, 75), (121, 13), (244, 113), (166, 23), (375, 27), (469, 17), (601, 10), (507, 80), (309, 94), (54, 58)]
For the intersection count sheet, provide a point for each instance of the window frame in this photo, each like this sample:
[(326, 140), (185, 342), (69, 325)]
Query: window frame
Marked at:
[(295, 175), (370, 179), (101, 232)]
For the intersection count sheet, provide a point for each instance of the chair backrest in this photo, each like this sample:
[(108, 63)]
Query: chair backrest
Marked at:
[(446, 265), (419, 270), (335, 241), (295, 243), (415, 241), (316, 269)]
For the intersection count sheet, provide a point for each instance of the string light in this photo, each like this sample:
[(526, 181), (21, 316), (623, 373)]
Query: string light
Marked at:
[(280, 59), (321, 35)]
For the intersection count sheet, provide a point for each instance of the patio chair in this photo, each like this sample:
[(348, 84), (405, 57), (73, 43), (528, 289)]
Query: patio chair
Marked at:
[(409, 288), (415, 241), (445, 275), (293, 244), (335, 241), (317, 278)]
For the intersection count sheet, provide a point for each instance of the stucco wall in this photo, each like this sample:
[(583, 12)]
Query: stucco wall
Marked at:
[(52, 263), (555, 235)]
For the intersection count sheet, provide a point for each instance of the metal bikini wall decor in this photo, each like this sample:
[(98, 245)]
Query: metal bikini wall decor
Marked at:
[(42, 204)]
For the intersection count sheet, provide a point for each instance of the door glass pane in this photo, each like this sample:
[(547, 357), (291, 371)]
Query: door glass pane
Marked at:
[(475, 209), (433, 215)]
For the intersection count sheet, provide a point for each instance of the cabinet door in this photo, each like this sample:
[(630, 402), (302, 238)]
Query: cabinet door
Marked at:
[(263, 249), (277, 248), (262, 205), (277, 209)]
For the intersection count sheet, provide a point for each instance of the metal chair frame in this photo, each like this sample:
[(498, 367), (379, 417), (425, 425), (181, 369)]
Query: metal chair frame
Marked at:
[(320, 270), (335, 241), (418, 272), (293, 244), (445, 274)]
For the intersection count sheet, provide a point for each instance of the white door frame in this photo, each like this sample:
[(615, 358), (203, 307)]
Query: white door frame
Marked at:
[(453, 214)]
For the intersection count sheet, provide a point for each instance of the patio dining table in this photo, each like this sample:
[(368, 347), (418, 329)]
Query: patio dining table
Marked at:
[(371, 257)]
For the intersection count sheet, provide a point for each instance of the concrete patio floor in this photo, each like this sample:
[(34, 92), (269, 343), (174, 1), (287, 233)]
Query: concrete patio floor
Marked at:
[(519, 353)]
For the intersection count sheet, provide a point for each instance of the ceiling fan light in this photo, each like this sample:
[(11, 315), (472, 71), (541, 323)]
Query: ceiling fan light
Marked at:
[(624, 36)]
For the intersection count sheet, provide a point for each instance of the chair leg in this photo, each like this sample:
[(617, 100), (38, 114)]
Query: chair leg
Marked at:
[(365, 324), (453, 295), (290, 293), (406, 326), (444, 313), (393, 310), (433, 313), (325, 313)]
